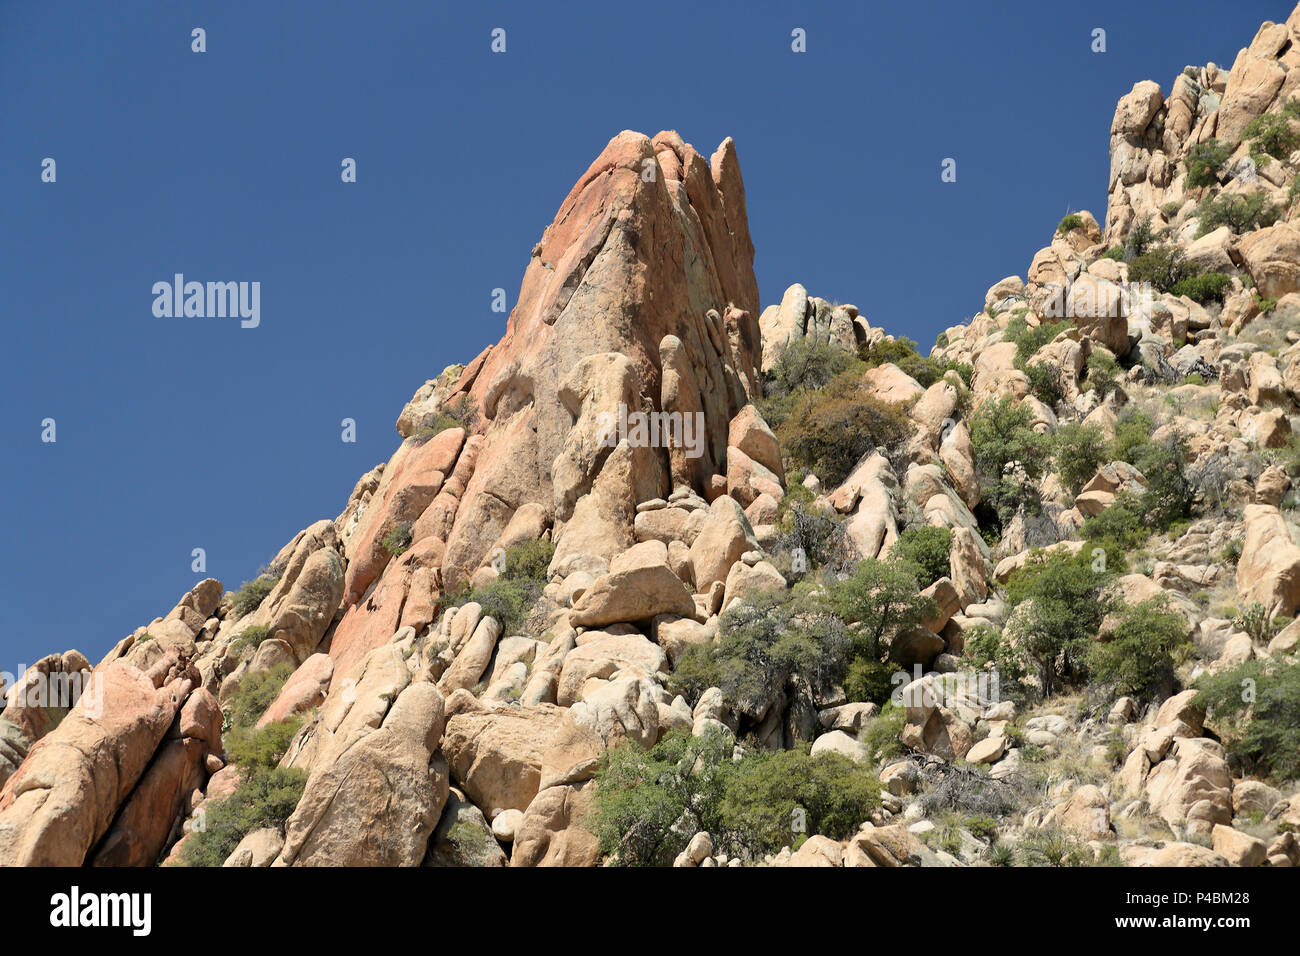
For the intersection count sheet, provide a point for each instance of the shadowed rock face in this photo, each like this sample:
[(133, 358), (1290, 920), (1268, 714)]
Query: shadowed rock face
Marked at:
[(652, 242)]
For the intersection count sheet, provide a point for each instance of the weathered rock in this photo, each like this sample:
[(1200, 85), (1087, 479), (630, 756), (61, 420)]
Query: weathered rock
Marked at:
[(378, 801)]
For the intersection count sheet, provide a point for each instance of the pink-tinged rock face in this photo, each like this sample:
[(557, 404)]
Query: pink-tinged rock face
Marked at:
[(651, 243), (65, 795)]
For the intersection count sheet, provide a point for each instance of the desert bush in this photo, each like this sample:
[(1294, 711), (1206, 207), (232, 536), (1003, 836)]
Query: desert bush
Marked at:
[(1079, 450), (1169, 493), (1101, 373), (1271, 134), (1030, 339), (1204, 160), (967, 790), (1239, 212), (1052, 846), (1124, 522), (460, 413), (1163, 266), (829, 432), (1148, 640), (257, 691), (1063, 607), (1139, 239), (1070, 222), (650, 803), (259, 747), (1132, 435), (1207, 287), (510, 598), (1045, 383), (764, 791), (1255, 709), (1254, 620), (902, 351), (252, 593), (249, 638), (762, 644), (883, 734), (926, 548), (805, 364), (1002, 434), (878, 600), (398, 538), (529, 561), (803, 528), (264, 799)]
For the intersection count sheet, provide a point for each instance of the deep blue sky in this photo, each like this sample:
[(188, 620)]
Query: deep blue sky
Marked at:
[(183, 433)]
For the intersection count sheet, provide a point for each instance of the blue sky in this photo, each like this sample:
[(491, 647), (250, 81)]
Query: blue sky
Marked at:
[(174, 433)]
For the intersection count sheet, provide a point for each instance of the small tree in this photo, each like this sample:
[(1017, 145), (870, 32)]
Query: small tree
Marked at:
[(1255, 709), (764, 643), (1146, 643), (1063, 610), (1079, 451), (880, 599), (926, 549), (1204, 160), (1002, 435)]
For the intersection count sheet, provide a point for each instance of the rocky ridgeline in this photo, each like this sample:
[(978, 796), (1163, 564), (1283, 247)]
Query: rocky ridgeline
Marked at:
[(424, 733)]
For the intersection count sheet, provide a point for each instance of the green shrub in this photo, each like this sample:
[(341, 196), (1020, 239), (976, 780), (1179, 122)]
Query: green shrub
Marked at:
[(1078, 451), (264, 799), (878, 600), (1124, 522), (1254, 620), (1255, 709), (812, 536), (804, 364), (1064, 612), (1002, 433), (828, 432), (460, 413), (1101, 373), (254, 747), (762, 644), (250, 637), (1139, 239), (504, 600), (765, 791), (883, 734), (650, 803), (1163, 267), (252, 593), (926, 547), (1029, 340), (1148, 640), (1045, 383), (257, 691), (529, 561), (902, 351), (398, 538), (1239, 212), (1271, 134), (1169, 492), (1132, 434), (1204, 160), (510, 598), (1207, 287), (1052, 846), (1070, 222), (868, 681), (1114, 253), (986, 646)]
